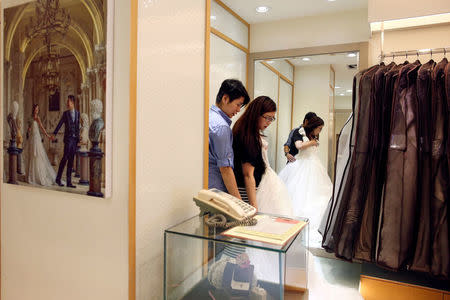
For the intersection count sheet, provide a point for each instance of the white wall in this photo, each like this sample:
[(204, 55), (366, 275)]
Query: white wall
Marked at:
[(266, 84), (437, 36), (339, 28), (170, 95), (284, 121), (226, 61), (382, 10), (311, 94), (343, 102), (66, 246)]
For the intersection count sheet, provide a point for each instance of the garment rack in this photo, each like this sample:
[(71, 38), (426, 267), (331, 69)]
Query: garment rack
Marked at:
[(407, 53)]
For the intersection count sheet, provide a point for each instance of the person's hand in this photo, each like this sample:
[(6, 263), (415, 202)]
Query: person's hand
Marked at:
[(290, 157), (52, 138), (314, 142)]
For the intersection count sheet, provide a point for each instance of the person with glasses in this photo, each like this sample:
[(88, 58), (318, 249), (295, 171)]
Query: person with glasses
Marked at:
[(232, 96), (257, 182), (290, 151), (307, 180)]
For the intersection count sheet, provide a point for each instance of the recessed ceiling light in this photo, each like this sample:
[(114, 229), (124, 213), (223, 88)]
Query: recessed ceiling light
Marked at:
[(349, 91), (337, 87), (341, 94), (213, 17), (262, 9), (331, 0), (351, 55), (306, 59)]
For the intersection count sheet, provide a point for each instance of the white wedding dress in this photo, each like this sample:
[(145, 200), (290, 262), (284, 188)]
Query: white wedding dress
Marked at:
[(272, 196), (39, 169), (310, 189)]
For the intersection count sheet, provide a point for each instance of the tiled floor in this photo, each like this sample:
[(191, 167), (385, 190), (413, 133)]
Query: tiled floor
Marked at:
[(330, 278)]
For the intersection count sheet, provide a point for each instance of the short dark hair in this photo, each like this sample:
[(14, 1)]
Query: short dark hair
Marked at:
[(234, 89), (71, 98), (309, 116)]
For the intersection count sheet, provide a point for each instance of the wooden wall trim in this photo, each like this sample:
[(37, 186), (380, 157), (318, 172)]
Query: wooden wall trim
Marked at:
[(278, 73), (233, 13), (206, 103), (229, 40), (132, 155)]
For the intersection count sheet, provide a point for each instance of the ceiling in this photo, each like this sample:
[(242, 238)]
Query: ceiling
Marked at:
[(290, 9)]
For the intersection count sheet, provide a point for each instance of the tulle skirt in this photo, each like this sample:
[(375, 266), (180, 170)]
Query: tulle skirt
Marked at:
[(310, 189), (272, 196)]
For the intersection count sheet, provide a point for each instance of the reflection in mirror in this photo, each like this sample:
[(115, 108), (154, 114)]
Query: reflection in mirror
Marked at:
[(317, 83)]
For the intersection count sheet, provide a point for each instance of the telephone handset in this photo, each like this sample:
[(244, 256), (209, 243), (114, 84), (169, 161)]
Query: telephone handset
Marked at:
[(218, 202)]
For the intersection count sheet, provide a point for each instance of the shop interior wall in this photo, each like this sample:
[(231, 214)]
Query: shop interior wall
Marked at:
[(65, 246), (226, 60), (343, 109), (284, 121), (382, 10), (170, 102), (338, 28), (311, 93), (436, 36), (266, 84)]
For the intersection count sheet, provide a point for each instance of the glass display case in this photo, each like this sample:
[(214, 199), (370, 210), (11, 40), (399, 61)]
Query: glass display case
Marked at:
[(203, 263)]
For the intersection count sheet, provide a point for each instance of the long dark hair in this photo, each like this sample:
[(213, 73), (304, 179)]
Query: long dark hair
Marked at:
[(35, 105), (246, 130), (313, 123)]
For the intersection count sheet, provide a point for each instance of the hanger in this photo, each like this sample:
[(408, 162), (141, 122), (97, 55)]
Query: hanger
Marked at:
[(406, 58)]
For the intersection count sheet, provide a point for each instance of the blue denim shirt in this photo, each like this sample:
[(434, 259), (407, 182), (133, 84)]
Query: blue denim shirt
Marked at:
[(220, 147)]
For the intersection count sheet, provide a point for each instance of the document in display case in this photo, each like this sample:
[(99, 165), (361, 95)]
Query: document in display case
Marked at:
[(204, 263)]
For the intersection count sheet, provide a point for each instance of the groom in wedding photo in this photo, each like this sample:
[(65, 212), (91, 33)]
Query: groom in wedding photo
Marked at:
[(71, 121)]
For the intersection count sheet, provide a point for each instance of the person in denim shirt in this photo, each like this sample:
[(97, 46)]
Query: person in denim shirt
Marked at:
[(232, 96)]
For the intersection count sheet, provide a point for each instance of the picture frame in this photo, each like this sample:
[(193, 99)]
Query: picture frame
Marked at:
[(67, 51)]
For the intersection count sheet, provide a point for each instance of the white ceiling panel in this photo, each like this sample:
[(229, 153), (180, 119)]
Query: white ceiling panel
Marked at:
[(290, 9)]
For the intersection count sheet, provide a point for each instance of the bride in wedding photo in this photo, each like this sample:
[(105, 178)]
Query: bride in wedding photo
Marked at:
[(39, 170)]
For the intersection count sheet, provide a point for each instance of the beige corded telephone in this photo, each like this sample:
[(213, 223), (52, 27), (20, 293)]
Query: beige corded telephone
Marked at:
[(217, 202)]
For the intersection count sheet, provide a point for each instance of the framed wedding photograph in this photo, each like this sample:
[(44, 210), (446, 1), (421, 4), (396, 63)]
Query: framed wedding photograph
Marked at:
[(57, 70)]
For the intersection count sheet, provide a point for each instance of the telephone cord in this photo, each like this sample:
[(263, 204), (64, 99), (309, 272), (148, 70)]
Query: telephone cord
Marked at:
[(220, 221)]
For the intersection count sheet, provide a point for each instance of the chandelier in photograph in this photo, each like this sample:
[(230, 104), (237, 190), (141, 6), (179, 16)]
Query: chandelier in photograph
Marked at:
[(49, 68), (49, 19)]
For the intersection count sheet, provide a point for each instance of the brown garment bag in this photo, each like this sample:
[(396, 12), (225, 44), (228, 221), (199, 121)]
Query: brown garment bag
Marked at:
[(422, 255), (400, 195), (440, 264), (334, 213), (355, 188), (366, 239)]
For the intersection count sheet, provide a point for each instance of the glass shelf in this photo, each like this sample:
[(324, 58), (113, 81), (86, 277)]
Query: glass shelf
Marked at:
[(195, 259)]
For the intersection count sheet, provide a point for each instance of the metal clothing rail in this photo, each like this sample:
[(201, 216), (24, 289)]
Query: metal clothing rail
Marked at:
[(407, 53)]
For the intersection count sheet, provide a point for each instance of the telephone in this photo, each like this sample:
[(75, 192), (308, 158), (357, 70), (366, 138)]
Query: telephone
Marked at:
[(217, 202)]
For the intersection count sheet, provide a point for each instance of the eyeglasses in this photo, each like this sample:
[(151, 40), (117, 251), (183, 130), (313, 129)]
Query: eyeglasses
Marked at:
[(269, 119)]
